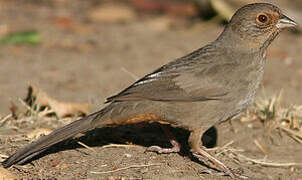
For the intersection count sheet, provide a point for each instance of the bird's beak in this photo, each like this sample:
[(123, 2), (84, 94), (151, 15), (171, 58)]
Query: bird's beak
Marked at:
[(285, 22)]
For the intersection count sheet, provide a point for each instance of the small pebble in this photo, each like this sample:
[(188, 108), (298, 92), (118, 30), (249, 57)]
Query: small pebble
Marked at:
[(128, 155)]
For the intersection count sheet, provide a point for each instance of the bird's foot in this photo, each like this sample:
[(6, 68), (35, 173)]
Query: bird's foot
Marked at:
[(160, 150), (175, 145)]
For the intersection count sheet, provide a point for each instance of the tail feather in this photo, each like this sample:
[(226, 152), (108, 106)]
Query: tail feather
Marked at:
[(35, 148)]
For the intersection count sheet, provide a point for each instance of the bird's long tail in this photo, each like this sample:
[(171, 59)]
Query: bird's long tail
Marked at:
[(35, 148)]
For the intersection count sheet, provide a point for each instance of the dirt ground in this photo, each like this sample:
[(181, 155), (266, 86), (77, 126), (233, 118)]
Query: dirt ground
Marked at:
[(87, 61)]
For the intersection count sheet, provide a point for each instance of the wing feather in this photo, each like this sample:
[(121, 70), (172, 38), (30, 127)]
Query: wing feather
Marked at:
[(190, 78)]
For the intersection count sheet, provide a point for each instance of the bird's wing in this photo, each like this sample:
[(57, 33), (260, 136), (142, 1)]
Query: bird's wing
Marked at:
[(195, 77)]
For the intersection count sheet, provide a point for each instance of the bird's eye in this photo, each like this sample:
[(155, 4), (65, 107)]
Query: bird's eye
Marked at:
[(262, 18)]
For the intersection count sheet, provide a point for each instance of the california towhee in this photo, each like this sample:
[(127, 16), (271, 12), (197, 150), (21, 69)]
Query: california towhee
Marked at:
[(204, 88)]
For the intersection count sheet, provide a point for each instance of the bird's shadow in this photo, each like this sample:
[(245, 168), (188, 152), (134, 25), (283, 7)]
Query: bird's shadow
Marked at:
[(140, 134)]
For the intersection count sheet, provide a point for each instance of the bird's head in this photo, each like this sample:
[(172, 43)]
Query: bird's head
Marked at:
[(258, 24)]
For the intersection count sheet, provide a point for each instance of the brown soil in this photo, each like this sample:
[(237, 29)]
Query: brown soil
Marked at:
[(91, 61)]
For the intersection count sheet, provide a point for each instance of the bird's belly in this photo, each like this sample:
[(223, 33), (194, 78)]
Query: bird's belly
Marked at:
[(243, 94)]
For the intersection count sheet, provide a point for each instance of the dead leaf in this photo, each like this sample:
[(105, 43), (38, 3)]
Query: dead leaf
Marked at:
[(62, 109), (5, 174), (113, 13), (37, 133)]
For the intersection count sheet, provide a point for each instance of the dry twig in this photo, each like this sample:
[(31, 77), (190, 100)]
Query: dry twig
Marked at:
[(265, 163), (87, 147), (124, 168), (296, 136), (121, 145), (234, 155), (4, 119), (263, 149)]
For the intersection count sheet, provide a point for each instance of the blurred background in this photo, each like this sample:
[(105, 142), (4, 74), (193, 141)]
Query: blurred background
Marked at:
[(89, 50)]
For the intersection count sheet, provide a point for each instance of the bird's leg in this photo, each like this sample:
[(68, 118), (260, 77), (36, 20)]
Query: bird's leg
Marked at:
[(202, 155), (176, 146)]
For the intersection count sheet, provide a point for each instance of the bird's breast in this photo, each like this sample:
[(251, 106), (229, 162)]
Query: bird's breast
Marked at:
[(251, 80)]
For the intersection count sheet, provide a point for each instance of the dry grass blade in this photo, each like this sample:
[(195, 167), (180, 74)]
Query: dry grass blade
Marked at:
[(239, 158), (263, 162), (121, 145), (264, 150), (30, 109), (295, 135), (124, 168), (225, 149), (275, 116), (87, 147), (4, 119)]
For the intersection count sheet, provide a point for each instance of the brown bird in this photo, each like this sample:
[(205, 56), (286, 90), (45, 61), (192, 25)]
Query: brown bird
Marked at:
[(202, 89)]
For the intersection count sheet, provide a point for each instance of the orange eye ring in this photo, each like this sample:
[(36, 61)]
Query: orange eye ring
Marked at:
[(262, 18)]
